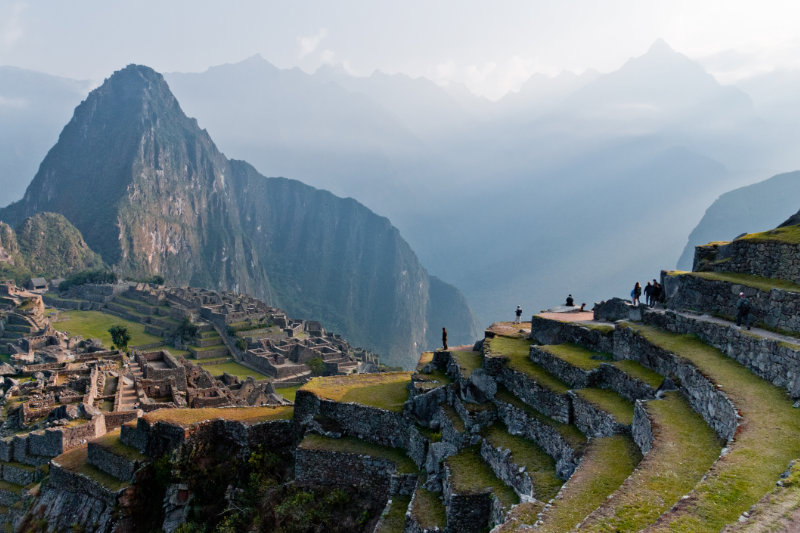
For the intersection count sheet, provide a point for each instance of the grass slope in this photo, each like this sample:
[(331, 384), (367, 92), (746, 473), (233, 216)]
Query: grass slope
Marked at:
[(606, 463), (684, 448), (767, 439), (252, 415), (469, 474), (351, 445), (386, 391), (95, 325), (517, 350)]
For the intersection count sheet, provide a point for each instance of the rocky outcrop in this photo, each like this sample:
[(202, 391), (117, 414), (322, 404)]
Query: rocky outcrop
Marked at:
[(166, 201)]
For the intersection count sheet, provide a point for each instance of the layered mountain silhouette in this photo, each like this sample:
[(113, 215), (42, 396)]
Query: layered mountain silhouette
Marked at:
[(152, 194)]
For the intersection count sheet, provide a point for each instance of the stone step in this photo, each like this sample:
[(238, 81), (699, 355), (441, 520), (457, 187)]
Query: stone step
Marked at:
[(605, 465), (10, 493), (75, 464), (563, 442), (393, 518), (426, 513), (681, 448), (508, 360), (580, 367), (208, 352), (768, 427), (21, 474), (115, 458), (601, 412), (474, 497), (520, 463)]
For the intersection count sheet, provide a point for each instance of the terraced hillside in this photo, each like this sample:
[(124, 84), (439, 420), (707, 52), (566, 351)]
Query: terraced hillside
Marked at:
[(668, 419)]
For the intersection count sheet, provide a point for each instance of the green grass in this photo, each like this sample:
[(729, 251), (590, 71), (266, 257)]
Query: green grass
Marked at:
[(610, 402), (95, 325), (605, 329), (395, 519), (570, 433), (575, 355), (469, 474), (767, 439), (540, 467), (606, 463), (10, 487), (685, 447), (467, 360), (640, 372), (176, 352), (517, 350), (386, 390), (248, 415), (288, 392), (235, 369), (207, 348), (787, 234), (428, 509), (110, 441), (748, 280), (77, 460), (398, 456)]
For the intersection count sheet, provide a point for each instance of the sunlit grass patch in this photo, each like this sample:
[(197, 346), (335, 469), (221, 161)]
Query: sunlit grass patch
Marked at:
[(387, 390), (252, 415)]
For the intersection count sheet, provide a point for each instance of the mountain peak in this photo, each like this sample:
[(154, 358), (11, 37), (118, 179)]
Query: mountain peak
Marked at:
[(660, 47)]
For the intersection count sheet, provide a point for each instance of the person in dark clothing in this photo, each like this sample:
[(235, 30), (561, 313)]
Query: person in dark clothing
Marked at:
[(444, 339), (658, 293), (743, 311), (519, 314), (636, 293), (570, 301), (648, 294)]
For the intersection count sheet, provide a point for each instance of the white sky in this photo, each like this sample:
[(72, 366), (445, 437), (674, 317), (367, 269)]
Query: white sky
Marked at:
[(491, 46)]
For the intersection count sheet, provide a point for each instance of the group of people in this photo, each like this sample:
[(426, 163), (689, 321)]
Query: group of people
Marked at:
[(653, 293)]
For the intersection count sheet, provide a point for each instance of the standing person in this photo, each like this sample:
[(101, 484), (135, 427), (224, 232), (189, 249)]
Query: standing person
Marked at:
[(444, 339), (570, 301), (519, 314), (743, 311), (658, 293), (648, 294), (636, 293)]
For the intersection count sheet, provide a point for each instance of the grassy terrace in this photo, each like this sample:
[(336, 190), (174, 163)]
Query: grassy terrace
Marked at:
[(787, 234), (684, 448), (386, 391), (606, 463), (571, 434), (235, 369), (580, 357), (288, 392), (77, 460), (251, 415), (110, 441), (395, 519), (610, 402), (517, 350), (469, 474), (359, 447), (467, 361), (767, 439), (428, 509), (540, 466), (95, 325), (748, 280), (207, 348)]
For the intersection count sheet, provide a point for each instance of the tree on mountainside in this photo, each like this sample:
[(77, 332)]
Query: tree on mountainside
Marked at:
[(120, 336)]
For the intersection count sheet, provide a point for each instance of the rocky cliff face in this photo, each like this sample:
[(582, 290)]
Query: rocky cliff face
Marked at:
[(150, 191)]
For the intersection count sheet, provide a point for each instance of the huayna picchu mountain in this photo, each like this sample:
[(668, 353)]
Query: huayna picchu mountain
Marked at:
[(151, 193)]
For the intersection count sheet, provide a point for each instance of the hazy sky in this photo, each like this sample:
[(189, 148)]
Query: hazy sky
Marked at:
[(492, 47)]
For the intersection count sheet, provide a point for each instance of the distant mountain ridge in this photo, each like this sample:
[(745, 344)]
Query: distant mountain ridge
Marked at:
[(152, 194)]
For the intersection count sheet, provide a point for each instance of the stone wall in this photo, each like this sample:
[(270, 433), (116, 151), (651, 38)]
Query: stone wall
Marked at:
[(502, 463), (777, 308), (642, 428), (554, 405), (546, 436), (372, 424), (117, 466), (466, 513), (546, 331), (769, 259), (333, 468), (775, 361), (571, 375), (704, 397), (592, 421)]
